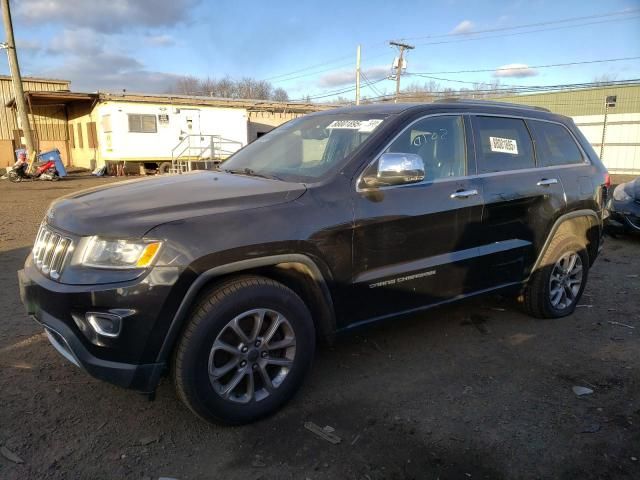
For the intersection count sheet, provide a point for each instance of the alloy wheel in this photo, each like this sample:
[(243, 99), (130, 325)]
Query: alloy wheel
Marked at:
[(252, 355), (565, 281)]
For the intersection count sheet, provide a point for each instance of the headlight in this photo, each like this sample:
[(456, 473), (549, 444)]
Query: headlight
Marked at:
[(101, 253), (620, 195)]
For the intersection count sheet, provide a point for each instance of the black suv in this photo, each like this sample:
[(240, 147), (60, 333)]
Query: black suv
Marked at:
[(337, 219)]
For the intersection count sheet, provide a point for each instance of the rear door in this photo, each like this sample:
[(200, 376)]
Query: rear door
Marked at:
[(521, 199), (414, 245)]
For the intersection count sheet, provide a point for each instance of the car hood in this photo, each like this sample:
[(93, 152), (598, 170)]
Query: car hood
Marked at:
[(131, 208)]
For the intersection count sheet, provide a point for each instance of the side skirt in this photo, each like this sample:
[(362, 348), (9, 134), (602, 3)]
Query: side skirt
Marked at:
[(412, 311)]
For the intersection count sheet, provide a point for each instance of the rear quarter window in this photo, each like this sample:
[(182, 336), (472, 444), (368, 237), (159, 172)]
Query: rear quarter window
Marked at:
[(502, 144), (554, 144)]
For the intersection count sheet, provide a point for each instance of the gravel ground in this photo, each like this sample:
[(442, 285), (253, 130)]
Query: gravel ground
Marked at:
[(476, 390)]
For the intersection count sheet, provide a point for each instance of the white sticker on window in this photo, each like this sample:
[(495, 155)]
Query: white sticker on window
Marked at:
[(503, 145), (364, 126), (370, 125)]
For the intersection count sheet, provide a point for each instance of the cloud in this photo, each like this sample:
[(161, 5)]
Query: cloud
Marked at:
[(345, 77), (105, 16), (161, 40), (515, 70), (77, 42), (464, 27), (29, 45), (94, 61), (112, 72)]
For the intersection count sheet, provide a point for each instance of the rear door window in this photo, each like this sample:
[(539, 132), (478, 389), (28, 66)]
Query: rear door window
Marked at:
[(554, 144), (502, 144)]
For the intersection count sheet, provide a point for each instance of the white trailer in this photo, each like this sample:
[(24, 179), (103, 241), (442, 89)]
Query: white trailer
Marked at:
[(158, 134)]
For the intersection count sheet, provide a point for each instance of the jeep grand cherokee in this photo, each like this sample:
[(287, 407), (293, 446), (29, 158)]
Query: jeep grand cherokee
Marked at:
[(227, 278)]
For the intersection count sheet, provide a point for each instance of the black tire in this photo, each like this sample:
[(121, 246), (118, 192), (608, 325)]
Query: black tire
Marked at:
[(14, 177), (210, 317), (536, 297), (164, 167)]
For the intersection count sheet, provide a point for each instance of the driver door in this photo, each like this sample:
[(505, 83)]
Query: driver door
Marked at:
[(414, 245)]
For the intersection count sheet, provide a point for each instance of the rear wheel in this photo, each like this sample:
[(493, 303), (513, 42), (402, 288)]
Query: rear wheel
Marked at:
[(164, 168), (556, 287), (245, 351)]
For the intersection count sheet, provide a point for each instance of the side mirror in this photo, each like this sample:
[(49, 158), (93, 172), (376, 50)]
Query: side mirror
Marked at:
[(396, 169)]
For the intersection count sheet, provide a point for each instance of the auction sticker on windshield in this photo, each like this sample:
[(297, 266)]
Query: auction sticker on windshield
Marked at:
[(364, 126), (503, 145)]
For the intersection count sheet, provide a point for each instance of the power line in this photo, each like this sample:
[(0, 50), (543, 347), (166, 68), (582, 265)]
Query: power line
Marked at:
[(336, 92), (521, 89), (292, 75), (370, 85), (429, 74), (528, 25), (552, 65), (502, 35)]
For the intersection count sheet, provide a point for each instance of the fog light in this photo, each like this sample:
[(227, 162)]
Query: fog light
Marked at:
[(105, 324)]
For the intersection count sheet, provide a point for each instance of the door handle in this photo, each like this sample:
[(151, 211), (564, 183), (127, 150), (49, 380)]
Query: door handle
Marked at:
[(545, 182), (464, 193)]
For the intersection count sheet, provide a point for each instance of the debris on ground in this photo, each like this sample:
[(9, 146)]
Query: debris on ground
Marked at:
[(9, 455), (580, 391), (144, 441), (325, 433), (591, 428), (258, 462), (621, 324), (478, 321)]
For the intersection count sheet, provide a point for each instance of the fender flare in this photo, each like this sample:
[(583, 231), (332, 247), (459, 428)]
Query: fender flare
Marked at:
[(556, 226), (181, 314)]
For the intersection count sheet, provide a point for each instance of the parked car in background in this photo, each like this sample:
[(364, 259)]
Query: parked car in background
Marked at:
[(624, 206), (334, 220)]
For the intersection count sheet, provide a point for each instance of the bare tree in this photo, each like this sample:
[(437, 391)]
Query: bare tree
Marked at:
[(226, 87), (605, 79), (186, 85), (280, 95)]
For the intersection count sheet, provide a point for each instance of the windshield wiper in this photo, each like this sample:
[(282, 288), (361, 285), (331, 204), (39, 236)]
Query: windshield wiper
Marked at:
[(251, 173)]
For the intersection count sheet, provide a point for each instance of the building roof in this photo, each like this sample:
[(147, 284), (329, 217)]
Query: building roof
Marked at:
[(38, 79), (249, 104), (54, 98), (58, 97), (583, 101)]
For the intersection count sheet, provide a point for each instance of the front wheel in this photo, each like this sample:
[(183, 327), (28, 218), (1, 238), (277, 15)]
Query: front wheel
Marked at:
[(14, 177), (557, 285), (245, 352)]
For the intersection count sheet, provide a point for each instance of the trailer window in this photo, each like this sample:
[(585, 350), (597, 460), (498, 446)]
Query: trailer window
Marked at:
[(142, 123)]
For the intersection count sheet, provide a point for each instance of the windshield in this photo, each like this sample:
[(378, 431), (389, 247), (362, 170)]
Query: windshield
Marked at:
[(305, 149)]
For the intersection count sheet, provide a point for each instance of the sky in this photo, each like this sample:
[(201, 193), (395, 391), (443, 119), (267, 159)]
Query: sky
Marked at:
[(309, 48)]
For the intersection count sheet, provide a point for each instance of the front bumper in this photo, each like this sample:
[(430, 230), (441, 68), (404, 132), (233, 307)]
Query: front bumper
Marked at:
[(51, 305)]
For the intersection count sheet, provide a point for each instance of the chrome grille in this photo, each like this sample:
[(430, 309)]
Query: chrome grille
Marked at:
[(50, 251)]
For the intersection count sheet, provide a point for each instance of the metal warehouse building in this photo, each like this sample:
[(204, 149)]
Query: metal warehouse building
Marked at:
[(609, 117), (48, 118)]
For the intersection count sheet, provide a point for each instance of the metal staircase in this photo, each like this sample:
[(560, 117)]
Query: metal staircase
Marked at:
[(201, 152)]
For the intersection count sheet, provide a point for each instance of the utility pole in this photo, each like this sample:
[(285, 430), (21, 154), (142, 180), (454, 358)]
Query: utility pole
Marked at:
[(358, 76), (18, 91), (402, 47)]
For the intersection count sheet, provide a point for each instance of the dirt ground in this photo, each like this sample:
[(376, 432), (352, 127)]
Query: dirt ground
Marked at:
[(477, 390)]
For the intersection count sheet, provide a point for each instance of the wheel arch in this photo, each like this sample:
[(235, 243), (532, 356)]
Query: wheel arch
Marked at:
[(296, 271), (584, 224)]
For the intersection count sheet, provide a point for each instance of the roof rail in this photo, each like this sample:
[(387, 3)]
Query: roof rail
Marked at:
[(489, 103)]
